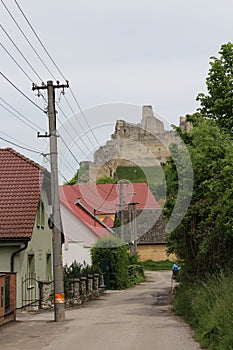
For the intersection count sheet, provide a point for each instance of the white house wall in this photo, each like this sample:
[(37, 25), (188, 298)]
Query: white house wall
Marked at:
[(78, 239)]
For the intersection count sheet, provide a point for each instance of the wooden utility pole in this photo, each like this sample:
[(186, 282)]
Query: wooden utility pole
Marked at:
[(59, 306)]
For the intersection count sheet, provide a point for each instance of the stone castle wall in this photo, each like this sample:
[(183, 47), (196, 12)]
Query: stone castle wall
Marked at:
[(143, 144)]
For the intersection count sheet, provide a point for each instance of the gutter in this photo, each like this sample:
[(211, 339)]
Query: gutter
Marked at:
[(17, 252), (78, 202)]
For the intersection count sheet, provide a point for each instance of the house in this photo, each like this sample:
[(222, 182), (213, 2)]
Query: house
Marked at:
[(88, 212), (81, 226), (152, 244), (25, 237)]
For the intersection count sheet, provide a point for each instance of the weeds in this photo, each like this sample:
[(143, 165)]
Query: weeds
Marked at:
[(208, 308)]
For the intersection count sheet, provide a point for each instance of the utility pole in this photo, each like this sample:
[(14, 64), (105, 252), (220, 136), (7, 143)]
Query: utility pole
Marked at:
[(122, 212), (59, 306), (133, 227), (130, 224)]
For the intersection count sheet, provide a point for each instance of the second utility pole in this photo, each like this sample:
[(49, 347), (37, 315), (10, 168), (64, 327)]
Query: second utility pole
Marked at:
[(59, 306)]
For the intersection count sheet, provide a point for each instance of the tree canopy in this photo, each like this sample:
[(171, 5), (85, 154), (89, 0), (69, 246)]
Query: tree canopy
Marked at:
[(218, 103), (204, 239)]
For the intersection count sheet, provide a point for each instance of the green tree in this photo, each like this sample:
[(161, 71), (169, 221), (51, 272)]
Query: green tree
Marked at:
[(204, 239), (218, 103)]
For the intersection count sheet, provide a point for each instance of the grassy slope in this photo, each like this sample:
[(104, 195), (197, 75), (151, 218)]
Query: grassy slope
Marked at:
[(151, 175)]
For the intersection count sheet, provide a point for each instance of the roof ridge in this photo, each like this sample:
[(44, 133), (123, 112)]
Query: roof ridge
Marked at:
[(23, 157)]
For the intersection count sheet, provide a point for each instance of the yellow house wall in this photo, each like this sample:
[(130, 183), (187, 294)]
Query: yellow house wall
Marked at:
[(155, 252)]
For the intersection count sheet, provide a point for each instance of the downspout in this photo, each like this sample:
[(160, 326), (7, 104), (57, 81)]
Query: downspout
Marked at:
[(17, 252)]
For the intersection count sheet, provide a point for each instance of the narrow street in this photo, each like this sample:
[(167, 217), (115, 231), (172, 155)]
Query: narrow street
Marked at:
[(139, 318)]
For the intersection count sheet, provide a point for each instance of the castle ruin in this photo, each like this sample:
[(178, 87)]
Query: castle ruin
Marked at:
[(144, 144)]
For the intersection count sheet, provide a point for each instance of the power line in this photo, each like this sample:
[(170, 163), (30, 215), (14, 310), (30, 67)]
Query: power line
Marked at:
[(29, 121), (25, 148), (39, 40), (48, 71), (58, 69), (14, 139), (3, 75), (12, 41), (8, 53), (69, 132), (28, 41), (17, 117), (75, 158), (78, 120), (88, 200), (81, 111)]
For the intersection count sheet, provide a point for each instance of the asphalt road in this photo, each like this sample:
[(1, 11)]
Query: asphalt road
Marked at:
[(139, 318)]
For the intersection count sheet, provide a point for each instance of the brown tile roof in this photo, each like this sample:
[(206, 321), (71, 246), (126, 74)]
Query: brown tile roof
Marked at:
[(20, 185)]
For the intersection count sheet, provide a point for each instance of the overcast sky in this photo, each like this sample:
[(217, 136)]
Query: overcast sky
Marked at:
[(117, 56)]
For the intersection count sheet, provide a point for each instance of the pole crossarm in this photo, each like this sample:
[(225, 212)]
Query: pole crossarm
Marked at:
[(45, 87)]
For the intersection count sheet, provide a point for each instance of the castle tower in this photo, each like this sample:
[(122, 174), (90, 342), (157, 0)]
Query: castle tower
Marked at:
[(150, 122)]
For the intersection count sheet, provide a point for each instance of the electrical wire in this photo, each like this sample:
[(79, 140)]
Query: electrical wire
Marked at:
[(39, 40), (88, 149), (22, 147), (28, 41), (58, 69), (8, 53), (75, 158), (72, 110), (8, 80), (89, 201), (75, 99), (84, 117), (26, 60), (30, 122)]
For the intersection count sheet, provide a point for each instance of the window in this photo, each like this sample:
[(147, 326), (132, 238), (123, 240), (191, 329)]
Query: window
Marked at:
[(40, 219), (42, 215), (31, 264), (49, 267)]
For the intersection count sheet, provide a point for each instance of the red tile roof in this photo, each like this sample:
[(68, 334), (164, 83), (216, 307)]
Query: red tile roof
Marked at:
[(20, 185), (81, 212), (104, 199)]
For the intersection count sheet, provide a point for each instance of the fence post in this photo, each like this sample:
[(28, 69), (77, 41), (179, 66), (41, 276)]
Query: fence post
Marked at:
[(76, 291), (96, 285), (83, 288), (45, 301)]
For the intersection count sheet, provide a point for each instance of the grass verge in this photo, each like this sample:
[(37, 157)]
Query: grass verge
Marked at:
[(208, 307), (157, 265)]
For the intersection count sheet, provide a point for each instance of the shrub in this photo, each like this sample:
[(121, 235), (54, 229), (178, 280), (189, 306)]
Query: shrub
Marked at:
[(114, 250), (136, 274), (75, 270)]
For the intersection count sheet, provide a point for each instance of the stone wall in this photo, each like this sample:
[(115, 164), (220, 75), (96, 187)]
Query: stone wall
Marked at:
[(143, 144)]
